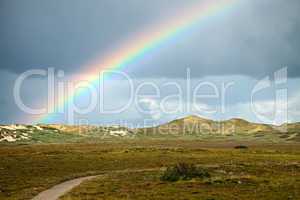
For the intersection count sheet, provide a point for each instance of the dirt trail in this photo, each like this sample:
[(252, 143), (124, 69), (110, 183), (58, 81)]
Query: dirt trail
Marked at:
[(58, 190)]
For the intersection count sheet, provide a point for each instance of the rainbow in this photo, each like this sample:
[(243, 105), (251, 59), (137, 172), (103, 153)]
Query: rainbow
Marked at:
[(143, 43)]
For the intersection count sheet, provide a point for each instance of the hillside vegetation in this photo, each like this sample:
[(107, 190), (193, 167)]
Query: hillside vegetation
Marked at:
[(189, 127)]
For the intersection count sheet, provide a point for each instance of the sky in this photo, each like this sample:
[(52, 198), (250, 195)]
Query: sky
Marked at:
[(241, 48)]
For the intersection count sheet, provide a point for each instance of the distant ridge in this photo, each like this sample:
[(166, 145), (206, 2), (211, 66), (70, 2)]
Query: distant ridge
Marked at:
[(189, 126), (194, 124)]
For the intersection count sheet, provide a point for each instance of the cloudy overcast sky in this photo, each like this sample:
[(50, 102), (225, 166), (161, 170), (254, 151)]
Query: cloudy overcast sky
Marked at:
[(240, 46)]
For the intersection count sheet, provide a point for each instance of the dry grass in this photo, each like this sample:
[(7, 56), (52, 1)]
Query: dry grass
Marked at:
[(240, 184), (28, 170)]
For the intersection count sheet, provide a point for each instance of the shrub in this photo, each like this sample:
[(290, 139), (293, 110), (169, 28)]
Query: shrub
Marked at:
[(241, 147), (183, 171)]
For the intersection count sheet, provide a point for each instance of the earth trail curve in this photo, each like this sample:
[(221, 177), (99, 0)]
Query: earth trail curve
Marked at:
[(55, 192)]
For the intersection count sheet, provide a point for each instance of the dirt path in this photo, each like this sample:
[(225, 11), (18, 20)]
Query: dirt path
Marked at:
[(58, 190)]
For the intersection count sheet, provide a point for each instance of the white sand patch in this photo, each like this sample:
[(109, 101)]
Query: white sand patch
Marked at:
[(38, 128), (119, 133), (25, 134), (24, 137), (8, 138), (14, 127)]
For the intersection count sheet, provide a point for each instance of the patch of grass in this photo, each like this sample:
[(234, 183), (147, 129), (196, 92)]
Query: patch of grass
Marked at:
[(232, 180), (184, 171), (147, 185), (26, 170)]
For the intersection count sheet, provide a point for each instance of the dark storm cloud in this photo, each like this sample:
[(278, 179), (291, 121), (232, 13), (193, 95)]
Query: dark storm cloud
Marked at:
[(254, 38), (67, 33)]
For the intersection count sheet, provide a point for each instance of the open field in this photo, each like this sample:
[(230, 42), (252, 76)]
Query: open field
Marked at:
[(263, 171)]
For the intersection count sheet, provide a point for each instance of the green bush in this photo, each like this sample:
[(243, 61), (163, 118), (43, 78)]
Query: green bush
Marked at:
[(241, 147), (183, 171)]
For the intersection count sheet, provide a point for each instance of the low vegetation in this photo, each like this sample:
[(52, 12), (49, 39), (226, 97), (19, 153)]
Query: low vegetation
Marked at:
[(184, 171), (241, 147), (134, 168)]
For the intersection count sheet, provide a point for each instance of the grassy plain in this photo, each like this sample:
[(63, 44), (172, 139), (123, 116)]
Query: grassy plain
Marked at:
[(263, 171)]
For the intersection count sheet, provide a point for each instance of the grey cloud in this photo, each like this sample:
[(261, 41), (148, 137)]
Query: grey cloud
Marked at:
[(253, 38), (67, 33)]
